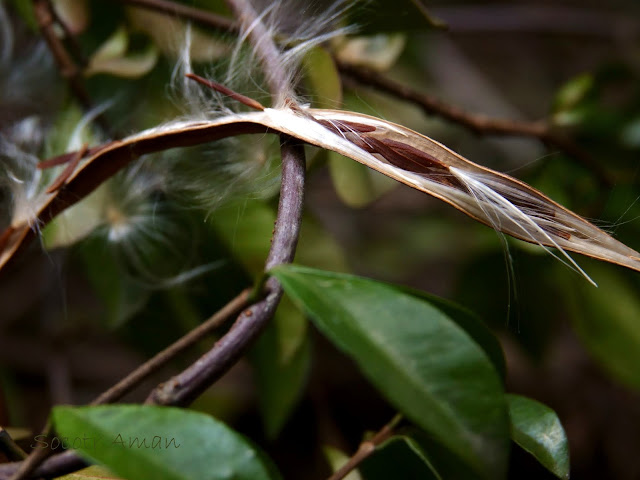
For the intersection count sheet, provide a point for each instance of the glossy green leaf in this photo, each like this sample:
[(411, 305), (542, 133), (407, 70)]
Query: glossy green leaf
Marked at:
[(442, 463), (607, 321), (396, 459), (471, 324), (537, 429), (281, 359), (421, 360), (160, 443)]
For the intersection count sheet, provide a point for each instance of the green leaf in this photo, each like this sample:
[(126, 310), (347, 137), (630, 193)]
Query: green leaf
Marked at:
[(130, 66), (421, 360), (121, 296), (281, 359), (114, 47), (26, 13), (442, 463), (606, 320), (161, 443), (470, 323), (378, 52), (112, 58), (537, 429), (322, 78), (573, 92), (94, 472), (393, 16), (396, 459), (356, 184), (247, 227)]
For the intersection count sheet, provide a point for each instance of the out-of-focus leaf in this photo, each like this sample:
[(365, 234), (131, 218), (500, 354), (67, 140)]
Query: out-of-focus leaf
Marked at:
[(26, 13), (94, 472), (606, 320), (77, 222), (121, 296), (131, 66), (336, 459), (281, 359), (573, 92), (322, 78), (378, 52), (396, 459), (537, 429), (423, 362), (247, 227), (74, 14), (163, 443), (355, 184), (114, 47), (630, 135), (111, 58), (169, 35), (393, 16)]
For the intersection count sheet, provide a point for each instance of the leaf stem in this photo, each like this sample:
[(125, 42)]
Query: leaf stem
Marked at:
[(366, 448)]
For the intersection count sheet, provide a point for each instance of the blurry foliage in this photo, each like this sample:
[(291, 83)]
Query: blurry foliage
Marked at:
[(201, 233)]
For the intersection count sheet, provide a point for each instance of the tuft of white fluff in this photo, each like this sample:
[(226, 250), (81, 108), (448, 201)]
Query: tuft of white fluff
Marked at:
[(20, 181)]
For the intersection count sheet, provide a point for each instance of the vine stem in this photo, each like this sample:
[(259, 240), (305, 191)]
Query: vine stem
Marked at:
[(366, 448), (185, 387)]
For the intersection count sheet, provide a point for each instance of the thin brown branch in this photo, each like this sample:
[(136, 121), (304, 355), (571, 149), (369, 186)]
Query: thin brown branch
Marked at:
[(366, 448), (47, 20), (68, 69), (196, 15), (72, 43), (55, 466), (162, 358), (10, 449), (25, 468), (478, 123)]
